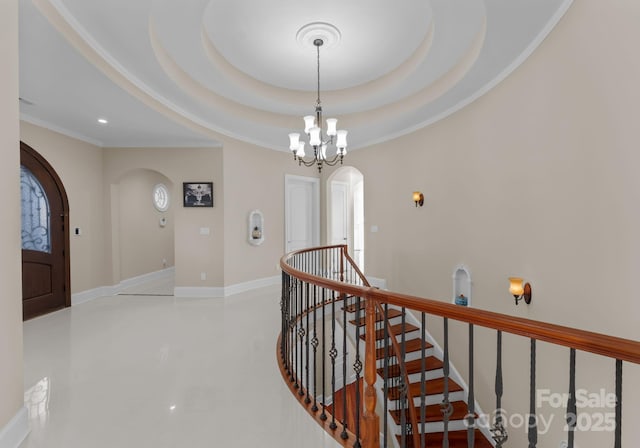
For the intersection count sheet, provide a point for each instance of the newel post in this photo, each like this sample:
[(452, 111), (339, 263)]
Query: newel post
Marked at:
[(371, 433)]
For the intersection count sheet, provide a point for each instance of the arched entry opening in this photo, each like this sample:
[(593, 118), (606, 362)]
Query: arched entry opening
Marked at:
[(345, 211), (45, 236), (142, 222)]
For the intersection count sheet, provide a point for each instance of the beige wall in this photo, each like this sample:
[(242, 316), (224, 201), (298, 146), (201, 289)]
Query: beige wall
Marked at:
[(255, 180), (79, 165), (145, 245), (538, 178), (194, 253), (11, 380)]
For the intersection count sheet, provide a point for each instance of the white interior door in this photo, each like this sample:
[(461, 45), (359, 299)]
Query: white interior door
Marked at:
[(302, 210), (339, 213)]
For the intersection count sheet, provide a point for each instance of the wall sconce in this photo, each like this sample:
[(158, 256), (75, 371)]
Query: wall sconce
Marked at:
[(519, 291), (418, 198)]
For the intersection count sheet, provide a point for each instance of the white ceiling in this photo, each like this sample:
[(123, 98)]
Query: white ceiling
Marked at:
[(188, 72)]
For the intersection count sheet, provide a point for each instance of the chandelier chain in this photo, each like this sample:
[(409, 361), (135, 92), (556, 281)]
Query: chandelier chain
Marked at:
[(318, 66)]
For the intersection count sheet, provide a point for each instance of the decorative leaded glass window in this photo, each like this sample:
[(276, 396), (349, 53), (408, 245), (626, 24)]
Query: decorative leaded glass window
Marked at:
[(161, 197), (36, 215)]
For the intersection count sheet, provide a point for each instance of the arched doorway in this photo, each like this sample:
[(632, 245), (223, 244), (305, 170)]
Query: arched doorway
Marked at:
[(45, 236), (142, 236), (345, 211)]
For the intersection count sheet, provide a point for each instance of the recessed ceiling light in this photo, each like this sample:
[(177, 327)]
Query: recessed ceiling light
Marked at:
[(103, 121)]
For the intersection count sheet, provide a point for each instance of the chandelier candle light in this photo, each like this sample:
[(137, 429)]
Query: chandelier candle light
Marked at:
[(318, 139)]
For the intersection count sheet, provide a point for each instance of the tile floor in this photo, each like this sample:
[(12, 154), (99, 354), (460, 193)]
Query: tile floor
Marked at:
[(160, 372)]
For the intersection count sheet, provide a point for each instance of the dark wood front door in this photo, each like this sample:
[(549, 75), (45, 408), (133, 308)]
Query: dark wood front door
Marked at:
[(45, 236)]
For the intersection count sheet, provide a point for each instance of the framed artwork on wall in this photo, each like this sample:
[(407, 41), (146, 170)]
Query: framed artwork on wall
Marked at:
[(197, 194)]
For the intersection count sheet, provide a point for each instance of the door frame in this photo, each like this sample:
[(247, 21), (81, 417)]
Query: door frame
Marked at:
[(354, 176), (346, 213), (315, 207), (65, 216)]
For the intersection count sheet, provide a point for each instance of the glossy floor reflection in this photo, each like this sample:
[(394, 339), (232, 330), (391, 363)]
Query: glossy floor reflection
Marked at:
[(141, 371)]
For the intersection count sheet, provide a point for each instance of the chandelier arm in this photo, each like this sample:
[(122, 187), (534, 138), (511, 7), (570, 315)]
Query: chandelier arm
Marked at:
[(334, 161), (306, 163)]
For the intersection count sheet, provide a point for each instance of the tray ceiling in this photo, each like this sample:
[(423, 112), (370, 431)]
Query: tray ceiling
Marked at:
[(189, 73)]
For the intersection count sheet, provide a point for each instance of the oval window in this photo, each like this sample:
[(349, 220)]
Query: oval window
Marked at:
[(161, 197)]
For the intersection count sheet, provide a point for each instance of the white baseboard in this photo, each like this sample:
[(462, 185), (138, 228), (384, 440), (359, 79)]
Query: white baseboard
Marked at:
[(141, 279), (90, 294), (14, 432), (253, 284), (219, 292), (179, 291), (105, 291)]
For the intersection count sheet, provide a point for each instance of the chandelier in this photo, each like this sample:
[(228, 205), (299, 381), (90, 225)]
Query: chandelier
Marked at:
[(320, 140)]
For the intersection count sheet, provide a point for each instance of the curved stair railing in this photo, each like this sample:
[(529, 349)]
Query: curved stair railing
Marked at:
[(326, 370)]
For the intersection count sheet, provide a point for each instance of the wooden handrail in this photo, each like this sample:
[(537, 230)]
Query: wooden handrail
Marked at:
[(355, 267), (600, 344)]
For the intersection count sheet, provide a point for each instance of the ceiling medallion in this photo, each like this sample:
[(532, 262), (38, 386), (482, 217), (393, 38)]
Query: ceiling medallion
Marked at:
[(319, 34), (329, 34)]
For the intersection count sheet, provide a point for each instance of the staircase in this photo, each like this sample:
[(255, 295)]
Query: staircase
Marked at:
[(311, 315), (434, 384)]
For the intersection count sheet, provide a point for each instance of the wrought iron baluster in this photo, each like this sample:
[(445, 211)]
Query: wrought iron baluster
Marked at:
[(498, 431), (287, 324), (307, 399), (333, 353), (385, 366), (423, 380), (572, 411), (294, 329), (618, 439), (301, 334), (344, 435), (446, 407), (471, 400), (357, 368), (323, 414), (402, 383), (314, 344), (533, 421), (283, 319)]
